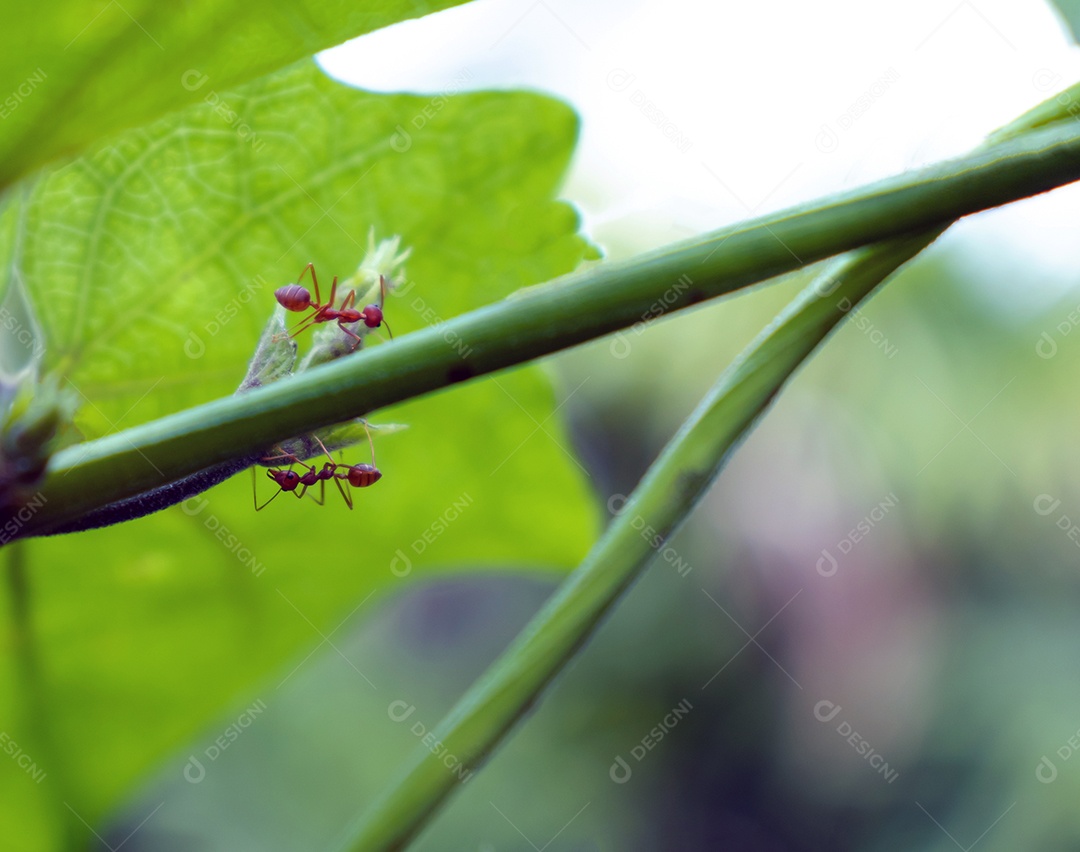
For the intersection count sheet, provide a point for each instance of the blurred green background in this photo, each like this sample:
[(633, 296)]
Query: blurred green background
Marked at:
[(865, 637), (942, 639)]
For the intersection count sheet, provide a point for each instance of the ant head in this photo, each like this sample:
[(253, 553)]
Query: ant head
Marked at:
[(372, 315), (363, 475), (293, 297), (287, 480)]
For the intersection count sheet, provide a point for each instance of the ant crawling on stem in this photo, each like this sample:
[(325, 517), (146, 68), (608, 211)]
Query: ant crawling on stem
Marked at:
[(357, 475), (294, 297)]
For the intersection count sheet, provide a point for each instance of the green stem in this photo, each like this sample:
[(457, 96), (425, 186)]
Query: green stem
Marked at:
[(30, 680), (588, 304), (666, 495), (662, 501)]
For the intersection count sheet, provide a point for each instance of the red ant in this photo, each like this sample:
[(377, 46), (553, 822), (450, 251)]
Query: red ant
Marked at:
[(298, 483), (357, 475), (294, 297)]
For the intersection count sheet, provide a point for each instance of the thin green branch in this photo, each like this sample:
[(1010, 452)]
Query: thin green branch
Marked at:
[(664, 498), (579, 307)]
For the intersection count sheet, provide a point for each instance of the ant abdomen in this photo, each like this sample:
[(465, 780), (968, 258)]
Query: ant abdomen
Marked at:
[(293, 297), (363, 475)]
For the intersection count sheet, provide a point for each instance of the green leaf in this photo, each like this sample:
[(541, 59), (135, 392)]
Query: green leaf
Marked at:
[(152, 261), (168, 243), (74, 71)]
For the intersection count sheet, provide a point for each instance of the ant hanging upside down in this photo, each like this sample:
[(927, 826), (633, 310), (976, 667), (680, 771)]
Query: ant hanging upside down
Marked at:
[(294, 297), (357, 475)]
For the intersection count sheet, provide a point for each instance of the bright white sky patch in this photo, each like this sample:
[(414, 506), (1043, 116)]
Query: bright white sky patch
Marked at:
[(695, 115)]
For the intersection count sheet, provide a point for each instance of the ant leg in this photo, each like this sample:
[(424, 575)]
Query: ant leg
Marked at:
[(333, 293), (320, 308), (270, 473), (254, 496), (260, 508), (346, 496), (345, 305), (313, 318), (268, 502), (314, 281), (308, 321), (322, 483), (371, 444), (280, 457), (352, 334), (322, 446), (321, 499)]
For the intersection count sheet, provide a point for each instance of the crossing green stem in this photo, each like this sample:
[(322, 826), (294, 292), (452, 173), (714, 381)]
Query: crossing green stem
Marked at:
[(664, 498)]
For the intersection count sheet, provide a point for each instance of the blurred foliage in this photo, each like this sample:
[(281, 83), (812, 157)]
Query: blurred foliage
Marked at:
[(151, 264)]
